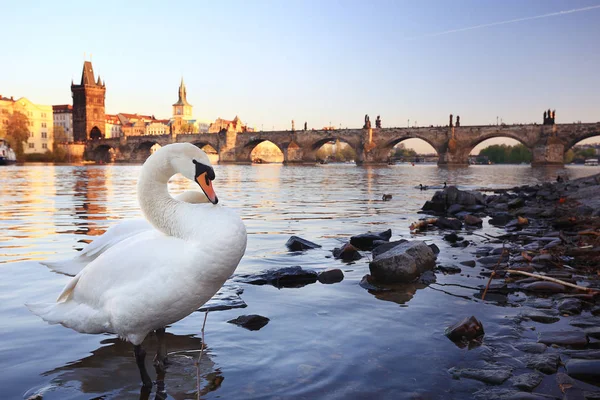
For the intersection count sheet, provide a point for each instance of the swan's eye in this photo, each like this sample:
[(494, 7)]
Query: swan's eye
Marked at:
[(207, 179)]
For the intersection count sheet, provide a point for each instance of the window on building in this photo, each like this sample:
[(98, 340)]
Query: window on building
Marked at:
[(30, 134), (44, 125), (31, 145), (44, 146), (44, 135), (43, 115)]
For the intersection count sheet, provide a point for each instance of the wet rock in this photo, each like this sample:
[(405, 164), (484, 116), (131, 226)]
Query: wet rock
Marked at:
[(465, 331), (329, 276), (455, 208), (225, 299), (588, 370), (347, 253), (585, 322), (516, 203), (448, 223), (493, 376), (583, 354), (564, 338), (291, 277), (540, 316), (540, 303), (528, 381), (402, 263), (546, 363), (476, 208), (382, 248), (452, 237), (365, 240), (296, 243), (595, 310), (493, 259), (544, 287), (251, 322), (367, 283), (427, 278), (472, 220), (593, 332), (505, 394), (468, 263), (434, 248), (36, 397), (569, 306), (534, 348), (542, 258), (449, 269), (500, 218)]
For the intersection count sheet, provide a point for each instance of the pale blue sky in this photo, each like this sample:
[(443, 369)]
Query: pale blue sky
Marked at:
[(318, 61)]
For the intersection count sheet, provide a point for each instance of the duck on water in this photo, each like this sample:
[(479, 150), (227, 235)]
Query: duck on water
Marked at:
[(145, 279)]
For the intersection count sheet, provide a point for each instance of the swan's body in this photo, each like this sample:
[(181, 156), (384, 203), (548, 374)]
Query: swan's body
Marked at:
[(156, 277), (114, 235)]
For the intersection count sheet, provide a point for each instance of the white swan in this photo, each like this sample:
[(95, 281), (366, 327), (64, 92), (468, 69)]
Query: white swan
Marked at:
[(159, 276), (115, 234)]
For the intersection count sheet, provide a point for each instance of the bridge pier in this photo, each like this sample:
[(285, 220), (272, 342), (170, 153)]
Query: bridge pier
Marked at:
[(548, 152)]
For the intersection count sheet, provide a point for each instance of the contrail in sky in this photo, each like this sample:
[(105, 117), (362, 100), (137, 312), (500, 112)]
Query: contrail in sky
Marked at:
[(512, 21)]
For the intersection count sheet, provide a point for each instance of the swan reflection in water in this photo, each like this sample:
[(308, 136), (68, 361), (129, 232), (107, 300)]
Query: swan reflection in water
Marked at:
[(109, 371)]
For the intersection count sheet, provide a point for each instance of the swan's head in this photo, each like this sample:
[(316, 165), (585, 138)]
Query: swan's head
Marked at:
[(193, 163)]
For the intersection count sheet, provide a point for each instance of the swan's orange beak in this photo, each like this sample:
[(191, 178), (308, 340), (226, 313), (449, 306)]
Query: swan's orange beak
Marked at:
[(206, 185)]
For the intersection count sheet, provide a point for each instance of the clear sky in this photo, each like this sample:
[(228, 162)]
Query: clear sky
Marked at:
[(321, 61)]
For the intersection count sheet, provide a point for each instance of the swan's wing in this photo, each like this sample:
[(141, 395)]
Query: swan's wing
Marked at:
[(115, 234)]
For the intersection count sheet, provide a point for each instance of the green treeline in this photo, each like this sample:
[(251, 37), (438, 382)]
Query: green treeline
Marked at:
[(506, 154)]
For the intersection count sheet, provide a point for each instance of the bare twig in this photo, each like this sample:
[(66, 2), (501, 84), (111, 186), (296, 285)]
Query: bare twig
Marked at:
[(200, 357), (548, 278), (493, 274)]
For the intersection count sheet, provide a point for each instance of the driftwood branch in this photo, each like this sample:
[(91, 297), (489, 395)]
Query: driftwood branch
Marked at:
[(548, 278)]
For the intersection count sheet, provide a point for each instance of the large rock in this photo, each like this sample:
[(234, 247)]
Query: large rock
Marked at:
[(584, 369), (444, 199), (330, 276), (448, 223), (347, 253), (296, 243), (382, 248), (365, 240), (464, 331), (402, 263)]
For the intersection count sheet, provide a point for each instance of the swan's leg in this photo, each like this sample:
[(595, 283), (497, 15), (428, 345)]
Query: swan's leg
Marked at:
[(140, 357), (160, 360)]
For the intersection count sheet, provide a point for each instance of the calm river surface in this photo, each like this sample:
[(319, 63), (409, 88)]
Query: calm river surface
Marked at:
[(323, 341)]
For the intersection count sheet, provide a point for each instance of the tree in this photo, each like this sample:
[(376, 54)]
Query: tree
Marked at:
[(60, 136), (59, 154), (502, 153), (17, 131)]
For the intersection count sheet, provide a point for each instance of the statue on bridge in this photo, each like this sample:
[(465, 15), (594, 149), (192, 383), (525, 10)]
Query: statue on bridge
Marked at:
[(378, 122), (293, 126), (451, 121), (367, 122), (304, 125), (549, 117), (457, 121)]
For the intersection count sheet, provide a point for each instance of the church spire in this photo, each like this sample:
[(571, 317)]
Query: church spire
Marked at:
[(182, 101), (87, 75)]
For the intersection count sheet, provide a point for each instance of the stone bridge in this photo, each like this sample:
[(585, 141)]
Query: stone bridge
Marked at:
[(548, 143)]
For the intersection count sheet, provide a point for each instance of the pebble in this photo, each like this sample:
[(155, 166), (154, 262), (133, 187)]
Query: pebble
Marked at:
[(544, 286), (251, 322), (540, 316), (564, 338), (449, 269), (329, 276), (528, 381), (546, 363), (569, 306), (535, 348), (296, 243), (468, 263), (495, 376)]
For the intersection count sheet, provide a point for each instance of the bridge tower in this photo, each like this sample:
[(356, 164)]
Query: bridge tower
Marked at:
[(88, 106)]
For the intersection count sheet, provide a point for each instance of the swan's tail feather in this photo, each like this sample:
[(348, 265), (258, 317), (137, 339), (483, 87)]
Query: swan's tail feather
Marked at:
[(70, 267), (46, 311)]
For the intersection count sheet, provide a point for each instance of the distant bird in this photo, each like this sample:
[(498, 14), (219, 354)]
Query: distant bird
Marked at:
[(386, 197), (445, 185), (423, 187), (158, 276)]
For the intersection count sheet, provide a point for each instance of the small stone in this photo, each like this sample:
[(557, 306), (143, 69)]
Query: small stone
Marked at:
[(468, 263), (562, 338), (452, 237), (466, 330), (367, 283), (593, 332), (448, 223), (516, 203), (296, 243), (495, 376), (365, 240), (347, 253), (449, 269), (329, 276), (403, 263), (528, 381), (584, 369), (546, 363), (492, 259), (544, 286), (473, 220), (434, 248), (455, 208), (540, 316), (569, 306), (284, 277), (427, 278), (535, 348), (251, 322)]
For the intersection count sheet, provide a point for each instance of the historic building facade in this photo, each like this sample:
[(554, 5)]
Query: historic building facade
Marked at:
[(40, 122), (113, 127), (235, 125), (89, 120), (63, 117), (182, 120)]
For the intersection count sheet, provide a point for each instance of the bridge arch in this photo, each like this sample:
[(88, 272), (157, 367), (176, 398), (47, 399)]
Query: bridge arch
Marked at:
[(104, 154), (245, 153), (211, 152), (499, 134), (143, 150), (580, 138), (310, 154), (583, 150)]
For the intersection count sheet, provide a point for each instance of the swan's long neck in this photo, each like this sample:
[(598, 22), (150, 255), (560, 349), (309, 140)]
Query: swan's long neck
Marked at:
[(159, 208)]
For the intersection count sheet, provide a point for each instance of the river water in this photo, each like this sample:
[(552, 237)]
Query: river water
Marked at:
[(323, 341)]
